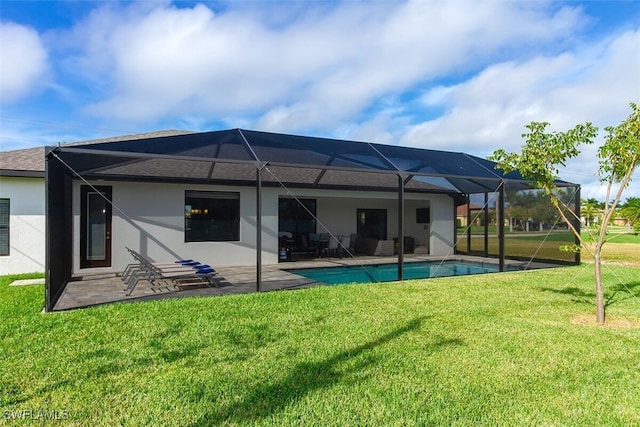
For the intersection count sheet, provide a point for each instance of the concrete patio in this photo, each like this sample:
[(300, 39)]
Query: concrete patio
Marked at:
[(97, 289)]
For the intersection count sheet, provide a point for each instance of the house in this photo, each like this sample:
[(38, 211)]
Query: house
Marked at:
[(22, 204), (230, 196), (466, 211)]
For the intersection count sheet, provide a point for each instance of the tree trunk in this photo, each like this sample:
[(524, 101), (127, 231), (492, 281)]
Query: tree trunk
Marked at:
[(599, 288)]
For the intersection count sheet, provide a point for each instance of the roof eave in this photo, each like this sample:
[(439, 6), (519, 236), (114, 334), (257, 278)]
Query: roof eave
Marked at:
[(21, 173)]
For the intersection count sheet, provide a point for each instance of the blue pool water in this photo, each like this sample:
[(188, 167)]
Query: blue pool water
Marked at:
[(389, 272)]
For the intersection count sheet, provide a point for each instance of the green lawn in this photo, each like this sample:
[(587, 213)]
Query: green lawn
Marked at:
[(505, 349), (546, 245)]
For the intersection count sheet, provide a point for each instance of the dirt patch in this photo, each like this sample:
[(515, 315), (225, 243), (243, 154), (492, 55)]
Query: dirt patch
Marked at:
[(610, 322)]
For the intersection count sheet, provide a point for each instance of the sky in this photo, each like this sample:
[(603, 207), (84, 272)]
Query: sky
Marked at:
[(458, 75)]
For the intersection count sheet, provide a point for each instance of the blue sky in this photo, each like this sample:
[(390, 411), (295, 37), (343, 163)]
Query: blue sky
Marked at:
[(454, 75)]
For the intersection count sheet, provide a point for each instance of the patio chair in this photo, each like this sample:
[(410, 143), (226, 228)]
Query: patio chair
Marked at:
[(142, 261), (180, 272), (345, 245), (172, 276), (333, 246)]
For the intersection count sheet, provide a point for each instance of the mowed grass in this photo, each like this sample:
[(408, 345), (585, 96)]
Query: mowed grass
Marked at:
[(495, 349), (620, 247)]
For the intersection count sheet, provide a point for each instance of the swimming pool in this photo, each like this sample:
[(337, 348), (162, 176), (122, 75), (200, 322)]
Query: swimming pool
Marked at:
[(389, 272)]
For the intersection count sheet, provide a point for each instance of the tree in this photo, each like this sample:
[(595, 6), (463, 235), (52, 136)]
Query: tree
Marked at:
[(589, 209), (544, 152), (631, 211), (522, 207)]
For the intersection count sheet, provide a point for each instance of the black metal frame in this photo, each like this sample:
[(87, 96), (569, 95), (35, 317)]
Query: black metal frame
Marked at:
[(94, 161)]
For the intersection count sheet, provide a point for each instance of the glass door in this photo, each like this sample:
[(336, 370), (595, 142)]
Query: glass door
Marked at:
[(372, 223), (95, 226)]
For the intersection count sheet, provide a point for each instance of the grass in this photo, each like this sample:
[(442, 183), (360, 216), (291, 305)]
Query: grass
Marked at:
[(620, 246), (506, 349)]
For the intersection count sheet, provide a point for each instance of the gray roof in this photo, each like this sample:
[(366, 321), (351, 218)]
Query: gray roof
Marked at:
[(29, 162), (234, 156)]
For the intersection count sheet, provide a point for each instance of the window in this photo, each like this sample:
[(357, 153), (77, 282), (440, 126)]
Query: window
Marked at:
[(211, 216), (423, 216), (372, 223), (297, 216), (4, 227)]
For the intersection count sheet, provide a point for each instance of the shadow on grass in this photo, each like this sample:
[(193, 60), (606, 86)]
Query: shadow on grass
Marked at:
[(265, 400), (103, 361), (613, 294), (244, 340), (577, 295), (622, 291)]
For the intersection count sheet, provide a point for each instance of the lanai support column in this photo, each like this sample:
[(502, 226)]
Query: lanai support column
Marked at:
[(259, 167), (500, 224), (401, 227), (469, 224), (577, 222), (58, 229), (485, 224)]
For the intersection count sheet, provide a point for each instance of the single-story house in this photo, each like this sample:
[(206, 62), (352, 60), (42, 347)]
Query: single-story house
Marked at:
[(466, 211), (227, 196), (22, 204)]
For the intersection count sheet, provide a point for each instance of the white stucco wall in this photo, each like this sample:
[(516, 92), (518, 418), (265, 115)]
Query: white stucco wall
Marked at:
[(26, 225), (149, 218), (338, 212)]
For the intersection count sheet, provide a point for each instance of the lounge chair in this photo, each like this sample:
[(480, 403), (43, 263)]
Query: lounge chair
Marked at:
[(178, 273)]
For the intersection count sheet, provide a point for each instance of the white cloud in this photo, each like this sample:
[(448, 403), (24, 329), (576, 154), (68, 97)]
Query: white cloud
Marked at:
[(455, 75), (593, 83), (23, 62), (314, 71)]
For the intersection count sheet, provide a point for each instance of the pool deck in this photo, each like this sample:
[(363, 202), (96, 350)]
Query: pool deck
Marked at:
[(97, 289)]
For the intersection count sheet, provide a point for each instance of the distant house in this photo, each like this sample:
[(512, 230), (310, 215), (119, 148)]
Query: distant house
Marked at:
[(22, 208), (463, 211), (232, 197)]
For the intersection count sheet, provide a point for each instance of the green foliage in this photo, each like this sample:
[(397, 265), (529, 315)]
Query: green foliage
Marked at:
[(496, 349), (590, 210), (541, 156), (544, 152), (574, 249), (631, 211), (620, 154), (534, 204), (593, 202)]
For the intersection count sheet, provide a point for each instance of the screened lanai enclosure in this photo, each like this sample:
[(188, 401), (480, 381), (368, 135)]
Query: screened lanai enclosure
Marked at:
[(241, 197)]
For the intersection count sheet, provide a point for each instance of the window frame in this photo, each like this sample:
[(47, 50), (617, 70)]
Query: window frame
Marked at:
[(6, 227), (190, 236), (299, 209)]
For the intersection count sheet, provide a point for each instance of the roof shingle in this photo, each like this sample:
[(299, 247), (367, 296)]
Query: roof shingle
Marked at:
[(32, 159)]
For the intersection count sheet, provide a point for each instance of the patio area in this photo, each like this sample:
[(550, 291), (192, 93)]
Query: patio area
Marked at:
[(98, 289)]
